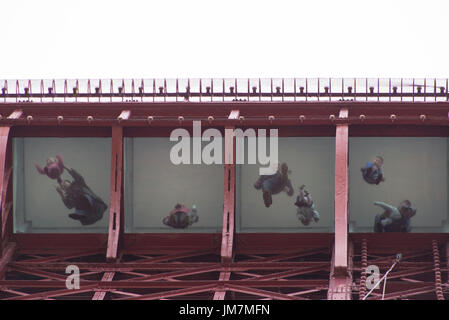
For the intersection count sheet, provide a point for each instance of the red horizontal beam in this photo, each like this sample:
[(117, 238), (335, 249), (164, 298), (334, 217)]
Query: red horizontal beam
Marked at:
[(117, 267), (107, 285)]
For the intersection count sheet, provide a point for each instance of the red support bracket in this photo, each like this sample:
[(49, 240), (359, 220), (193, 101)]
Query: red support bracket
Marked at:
[(115, 212), (340, 286), (341, 196)]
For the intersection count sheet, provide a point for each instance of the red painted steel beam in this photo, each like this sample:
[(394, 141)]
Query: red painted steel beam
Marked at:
[(173, 293), (220, 295), (115, 208), (341, 197), (99, 295), (263, 293), (5, 177), (122, 284), (130, 266), (227, 242), (7, 257), (340, 285)]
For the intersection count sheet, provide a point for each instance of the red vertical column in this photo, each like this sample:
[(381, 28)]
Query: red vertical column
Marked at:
[(229, 196), (341, 196), (5, 182), (115, 212), (229, 191)]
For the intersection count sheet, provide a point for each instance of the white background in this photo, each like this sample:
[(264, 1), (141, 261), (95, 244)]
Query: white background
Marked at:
[(168, 38)]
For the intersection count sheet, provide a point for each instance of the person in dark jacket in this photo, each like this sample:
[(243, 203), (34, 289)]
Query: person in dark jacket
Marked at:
[(394, 219), (181, 217), (89, 208), (372, 172), (274, 184)]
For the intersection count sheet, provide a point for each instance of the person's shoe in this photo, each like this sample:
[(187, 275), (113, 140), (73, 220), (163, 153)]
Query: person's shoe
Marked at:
[(267, 198)]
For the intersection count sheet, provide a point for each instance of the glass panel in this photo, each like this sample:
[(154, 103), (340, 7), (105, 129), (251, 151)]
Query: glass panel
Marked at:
[(76, 201), (414, 169), (311, 162), (154, 186)]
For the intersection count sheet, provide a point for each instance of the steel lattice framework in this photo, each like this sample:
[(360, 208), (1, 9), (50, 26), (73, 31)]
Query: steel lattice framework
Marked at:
[(226, 265)]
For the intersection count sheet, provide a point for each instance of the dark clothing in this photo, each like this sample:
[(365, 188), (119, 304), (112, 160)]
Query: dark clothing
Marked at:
[(399, 225), (372, 174), (89, 207), (181, 217), (274, 184)]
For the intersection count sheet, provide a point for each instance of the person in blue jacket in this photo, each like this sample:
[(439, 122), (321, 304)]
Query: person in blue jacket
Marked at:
[(372, 172)]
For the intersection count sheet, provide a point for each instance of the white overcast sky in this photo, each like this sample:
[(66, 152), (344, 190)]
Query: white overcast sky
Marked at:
[(278, 38)]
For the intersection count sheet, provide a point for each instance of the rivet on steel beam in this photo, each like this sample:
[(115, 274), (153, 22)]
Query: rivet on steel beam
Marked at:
[(90, 119), (332, 117), (150, 119), (422, 117), (210, 119), (393, 117), (241, 118), (180, 119), (271, 118), (362, 117), (29, 119), (60, 118), (302, 118)]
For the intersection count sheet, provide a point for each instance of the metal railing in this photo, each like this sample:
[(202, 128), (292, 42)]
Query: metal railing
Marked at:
[(219, 90)]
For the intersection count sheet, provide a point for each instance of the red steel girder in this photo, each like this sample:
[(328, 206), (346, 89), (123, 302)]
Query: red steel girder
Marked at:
[(341, 197), (115, 207)]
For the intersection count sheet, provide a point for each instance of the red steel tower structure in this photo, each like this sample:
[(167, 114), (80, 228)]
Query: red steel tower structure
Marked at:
[(227, 264)]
